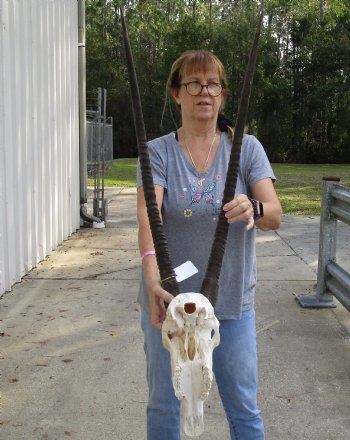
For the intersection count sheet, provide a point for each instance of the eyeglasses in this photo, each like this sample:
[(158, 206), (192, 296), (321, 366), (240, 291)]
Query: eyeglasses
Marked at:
[(194, 88)]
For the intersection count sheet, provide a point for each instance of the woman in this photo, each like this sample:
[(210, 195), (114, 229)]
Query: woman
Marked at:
[(189, 171)]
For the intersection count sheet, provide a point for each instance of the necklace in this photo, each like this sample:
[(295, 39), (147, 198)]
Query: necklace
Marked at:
[(200, 180)]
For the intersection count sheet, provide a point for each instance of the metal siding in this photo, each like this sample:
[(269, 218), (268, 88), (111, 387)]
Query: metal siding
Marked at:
[(3, 231), (39, 139), (11, 251)]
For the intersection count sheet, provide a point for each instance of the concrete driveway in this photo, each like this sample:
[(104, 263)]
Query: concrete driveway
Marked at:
[(71, 357)]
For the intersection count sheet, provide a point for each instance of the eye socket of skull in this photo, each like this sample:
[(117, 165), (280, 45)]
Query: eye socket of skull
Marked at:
[(190, 308)]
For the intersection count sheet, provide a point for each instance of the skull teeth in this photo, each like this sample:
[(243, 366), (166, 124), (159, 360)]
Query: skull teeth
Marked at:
[(177, 382), (207, 382)]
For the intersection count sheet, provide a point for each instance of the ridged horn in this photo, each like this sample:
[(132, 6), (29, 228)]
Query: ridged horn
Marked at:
[(165, 267), (210, 285)]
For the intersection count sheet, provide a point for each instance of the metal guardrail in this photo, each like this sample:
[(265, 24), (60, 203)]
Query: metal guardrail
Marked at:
[(332, 279)]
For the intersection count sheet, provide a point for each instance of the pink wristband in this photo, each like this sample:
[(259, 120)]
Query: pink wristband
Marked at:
[(145, 254)]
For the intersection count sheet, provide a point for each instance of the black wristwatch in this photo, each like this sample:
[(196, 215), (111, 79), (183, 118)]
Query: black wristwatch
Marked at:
[(258, 208)]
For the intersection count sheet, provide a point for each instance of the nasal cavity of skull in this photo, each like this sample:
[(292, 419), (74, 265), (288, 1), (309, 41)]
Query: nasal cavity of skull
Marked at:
[(190, 308), (191, 349)]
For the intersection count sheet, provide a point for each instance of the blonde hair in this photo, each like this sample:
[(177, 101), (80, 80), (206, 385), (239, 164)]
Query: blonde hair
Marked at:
[(195, 61)]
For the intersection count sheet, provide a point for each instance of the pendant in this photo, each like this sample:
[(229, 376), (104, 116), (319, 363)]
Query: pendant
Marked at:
[(200, 181)]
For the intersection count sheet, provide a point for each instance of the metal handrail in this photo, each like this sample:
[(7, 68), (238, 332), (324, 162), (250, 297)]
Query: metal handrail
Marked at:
[(332, 279)]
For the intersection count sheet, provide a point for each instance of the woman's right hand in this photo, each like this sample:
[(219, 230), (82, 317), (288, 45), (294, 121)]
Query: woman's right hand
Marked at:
[(159, 299)]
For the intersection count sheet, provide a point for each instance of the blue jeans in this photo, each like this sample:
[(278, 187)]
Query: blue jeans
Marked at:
[(236, 374)]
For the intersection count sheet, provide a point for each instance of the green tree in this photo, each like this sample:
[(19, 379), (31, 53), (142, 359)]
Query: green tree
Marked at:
[(300, 104)]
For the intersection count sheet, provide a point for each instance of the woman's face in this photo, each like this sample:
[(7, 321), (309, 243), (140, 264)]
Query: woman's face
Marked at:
[(203, 107)]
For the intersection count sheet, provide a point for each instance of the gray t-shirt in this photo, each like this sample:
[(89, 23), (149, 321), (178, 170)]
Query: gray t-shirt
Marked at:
[(190, 211)]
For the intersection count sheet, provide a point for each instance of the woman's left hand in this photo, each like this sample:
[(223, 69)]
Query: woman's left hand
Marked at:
[(240, 209)]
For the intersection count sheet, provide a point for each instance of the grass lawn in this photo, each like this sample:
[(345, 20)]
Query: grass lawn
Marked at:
[(122, 173), (298, 186)]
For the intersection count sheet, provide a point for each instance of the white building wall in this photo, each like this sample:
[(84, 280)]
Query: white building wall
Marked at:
[(39, 132)]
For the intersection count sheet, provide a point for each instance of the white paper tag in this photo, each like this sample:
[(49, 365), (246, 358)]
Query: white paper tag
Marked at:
[(185, 271)]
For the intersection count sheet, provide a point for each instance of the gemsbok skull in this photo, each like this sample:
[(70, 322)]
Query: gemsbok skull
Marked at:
[(190, 330)]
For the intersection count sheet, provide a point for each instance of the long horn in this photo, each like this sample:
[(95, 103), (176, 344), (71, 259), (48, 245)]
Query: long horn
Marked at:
[(165, 267), (210, 285)]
